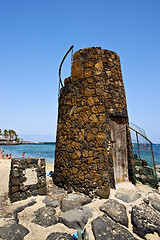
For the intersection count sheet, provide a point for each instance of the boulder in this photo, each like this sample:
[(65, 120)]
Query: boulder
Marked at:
[(10, 218), (116, 211), (21, 208), (56, 191), (154, 199), (45, 217), (145, 220), (76, 218), (105, 228), (72, 201), (127, 195), (49, 202), (59, 236), (13, 231)]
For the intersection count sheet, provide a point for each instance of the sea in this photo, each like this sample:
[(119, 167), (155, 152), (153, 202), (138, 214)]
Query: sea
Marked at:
[(145, 152), (47, 151)]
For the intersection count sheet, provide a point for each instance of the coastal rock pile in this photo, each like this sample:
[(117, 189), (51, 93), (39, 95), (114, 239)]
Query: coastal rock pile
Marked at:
[(117, 218), (27, 178), (11, 228), (145, 220), (146, 174)]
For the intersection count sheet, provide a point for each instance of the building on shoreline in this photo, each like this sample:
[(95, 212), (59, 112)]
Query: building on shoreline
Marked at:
[(93, 145)]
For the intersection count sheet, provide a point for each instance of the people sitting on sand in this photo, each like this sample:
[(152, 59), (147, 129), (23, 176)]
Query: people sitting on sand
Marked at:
[(23, 154), (2, 153), (9, 156)]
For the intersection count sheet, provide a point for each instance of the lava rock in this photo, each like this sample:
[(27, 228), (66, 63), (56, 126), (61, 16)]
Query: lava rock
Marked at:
[(59, 236), (56, 190), (49, 202), (21, 208), (11, 218), (105, 228), (127, 195), (76, 218), (45, 217), (72, 201), (145, 220), (116, 211), (13, 232)]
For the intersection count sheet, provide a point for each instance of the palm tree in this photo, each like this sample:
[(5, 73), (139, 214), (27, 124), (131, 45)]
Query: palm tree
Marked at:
[(10, 134), (5, 133), (13, 135), (0, 133)]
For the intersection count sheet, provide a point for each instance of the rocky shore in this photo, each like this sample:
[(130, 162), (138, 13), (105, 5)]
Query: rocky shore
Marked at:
[(131, 212)]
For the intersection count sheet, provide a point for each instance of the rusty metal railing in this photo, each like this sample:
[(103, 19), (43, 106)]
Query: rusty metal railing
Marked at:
[(138, 133), (60, 67)]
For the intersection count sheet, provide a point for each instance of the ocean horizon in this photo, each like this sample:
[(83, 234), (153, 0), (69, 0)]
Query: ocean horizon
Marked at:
[(37, 138), (47, 151)]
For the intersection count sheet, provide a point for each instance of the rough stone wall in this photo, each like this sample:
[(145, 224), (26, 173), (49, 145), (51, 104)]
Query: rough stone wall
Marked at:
[(27, 178), (95, 91), (115, 98)]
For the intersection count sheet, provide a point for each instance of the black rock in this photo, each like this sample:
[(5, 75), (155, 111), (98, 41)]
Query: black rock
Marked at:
[(15, 197), (116, 211), (71, 201), (57, 190), (145, 220), (59, 236), (105, 228), (35, 193), (76, 218), (13, 232), (45, 217), (11, 217), (49, 202), (24, 196), (33, 187), (21, 208)]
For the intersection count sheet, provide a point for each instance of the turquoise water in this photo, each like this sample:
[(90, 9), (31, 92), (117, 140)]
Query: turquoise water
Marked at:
[(32, 150), (146, 153), (48, 152)]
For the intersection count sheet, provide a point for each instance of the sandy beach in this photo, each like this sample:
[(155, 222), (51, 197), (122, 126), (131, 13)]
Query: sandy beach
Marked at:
[(41, 233), (5, 171), (4, 175)]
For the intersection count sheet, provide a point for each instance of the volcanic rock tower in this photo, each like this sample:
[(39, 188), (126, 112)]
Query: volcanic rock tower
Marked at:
[(93, 145)]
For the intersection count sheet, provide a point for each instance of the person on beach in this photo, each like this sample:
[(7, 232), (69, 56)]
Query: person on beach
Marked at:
[(2, 153), (9, 156), (23, 155)]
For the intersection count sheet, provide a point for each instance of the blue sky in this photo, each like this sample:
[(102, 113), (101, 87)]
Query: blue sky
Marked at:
[(35, 35)]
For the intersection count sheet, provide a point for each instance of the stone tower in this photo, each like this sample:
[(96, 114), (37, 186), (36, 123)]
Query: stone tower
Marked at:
[(93, 145)]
